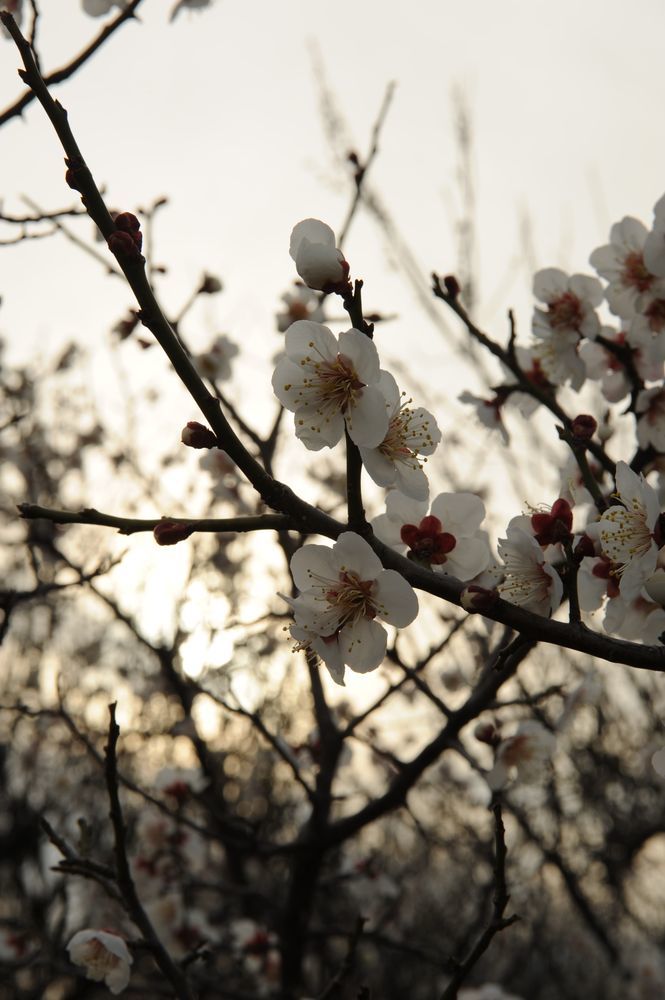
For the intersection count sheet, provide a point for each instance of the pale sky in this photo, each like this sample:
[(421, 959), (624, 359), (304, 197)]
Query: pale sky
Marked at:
[(220, 112)]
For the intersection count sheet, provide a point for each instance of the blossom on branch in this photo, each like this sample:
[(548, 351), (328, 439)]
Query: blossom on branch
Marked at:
[(529, 581), (411, 433), (104, 955), (299, 303), (215, 363), (342, 590), (448, 540), (621, 263), (329, 383), (570, 314), (318, 261), (525, 756), (626, 531), (654, 247)]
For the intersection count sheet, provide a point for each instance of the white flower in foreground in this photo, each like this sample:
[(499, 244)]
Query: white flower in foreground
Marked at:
[(448, 539), (626, 531), (411, 433), (524, 756), (654, 247), (571, 303), (328, 383), (104, 955), (98, 8), (215, 363), (318, 261), (621, 262), (343, 590), (529, 581)]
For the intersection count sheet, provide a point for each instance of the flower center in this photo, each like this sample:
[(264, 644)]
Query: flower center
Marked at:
[(629, 536), (565, 312), (352, 598), (635, 274), (427, 541), (99, 958), (335, 384)]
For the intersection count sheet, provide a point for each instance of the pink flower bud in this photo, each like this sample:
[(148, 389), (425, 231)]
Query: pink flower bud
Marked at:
[(584, 427), (123, 245), (169, 532), (195, 435)]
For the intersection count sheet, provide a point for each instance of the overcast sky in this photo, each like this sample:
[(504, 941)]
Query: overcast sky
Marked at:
[(220, 111)]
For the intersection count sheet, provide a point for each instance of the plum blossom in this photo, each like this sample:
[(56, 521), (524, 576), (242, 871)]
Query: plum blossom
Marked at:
[(343, 590), (621, 263), (626, 531), (329, 383), (529, 581), (411, 433), (180, 783), (654, 246), (448, 540), (180, 927), (571, 303), (104, 955), (318, 261), (98, 8), (651, 423), (215, 363), (299, 303), (488, 411), (524, 756), (257, 948)]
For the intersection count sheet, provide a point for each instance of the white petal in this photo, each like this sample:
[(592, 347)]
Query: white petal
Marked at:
[(405, 510), (331, 654), (378, 467), (351, 552), (395, 599), (411, 480), (470, 557), (362, 353), (307, 339), (363, 645), (313, 230), (367, 420), (312, 560), (460, 513)]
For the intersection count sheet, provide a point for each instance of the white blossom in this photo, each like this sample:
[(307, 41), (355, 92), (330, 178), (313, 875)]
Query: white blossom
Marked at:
[(104, 955), (621, 262), (524, 756), (299, 303), (651, 422), (528, 581), (411, 433), (215, 363), (626, 530), (449, 538), (318, 261), (570, 315), (654, 247), (188, 5), (329, 382), (342, 590)]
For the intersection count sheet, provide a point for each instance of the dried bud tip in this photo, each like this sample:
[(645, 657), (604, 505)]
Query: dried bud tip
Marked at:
[(452, 286), (474, 598), (584, 427), (210, 285), (170, 532), (485, 732), (196, 435)]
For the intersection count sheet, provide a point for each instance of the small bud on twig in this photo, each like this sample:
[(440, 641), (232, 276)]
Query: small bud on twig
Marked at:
[(584, 427), (169, 532), (196, 435)]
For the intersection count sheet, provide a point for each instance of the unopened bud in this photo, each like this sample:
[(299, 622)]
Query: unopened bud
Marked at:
[(72, 173), (126, 222), (486, 732), (584, 427), (452, 286), (171, 532), (123, 245), (474, 598), (196, 435), (210, 285)]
